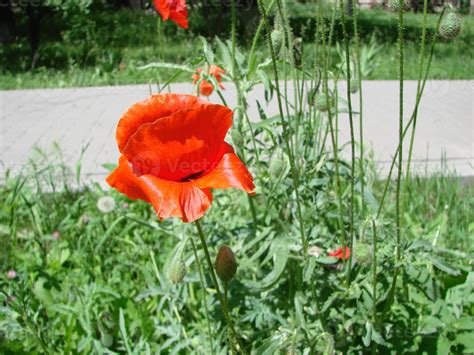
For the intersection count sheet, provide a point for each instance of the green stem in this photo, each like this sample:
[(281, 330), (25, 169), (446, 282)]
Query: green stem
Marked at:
[(392, 165), (285, 130), (400, 135), (201, 278), (359, 83), (331, 127), (374, 281), (222, 302), (351, 123), (418, 89)]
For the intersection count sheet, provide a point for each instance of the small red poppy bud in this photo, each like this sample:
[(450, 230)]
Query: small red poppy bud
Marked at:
[(226, 264)]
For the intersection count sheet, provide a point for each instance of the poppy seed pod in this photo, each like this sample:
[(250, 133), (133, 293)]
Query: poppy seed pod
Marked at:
[(226, 264), (363, 253), (450, 25), (177, 271)]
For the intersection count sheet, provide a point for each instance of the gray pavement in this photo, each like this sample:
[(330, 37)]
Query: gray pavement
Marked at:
[(78, 117)]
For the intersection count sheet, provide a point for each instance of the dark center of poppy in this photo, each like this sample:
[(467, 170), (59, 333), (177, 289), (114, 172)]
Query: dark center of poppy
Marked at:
[(192, 176)]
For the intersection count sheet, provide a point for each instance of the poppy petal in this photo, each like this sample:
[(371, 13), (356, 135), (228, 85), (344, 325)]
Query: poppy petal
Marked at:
[(125, 181), (230, 172), (176, 199), (182, 146), (169, 198), (149, 110), (163, 9)]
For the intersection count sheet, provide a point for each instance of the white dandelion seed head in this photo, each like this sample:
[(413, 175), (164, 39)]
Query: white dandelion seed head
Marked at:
[(106, 204)]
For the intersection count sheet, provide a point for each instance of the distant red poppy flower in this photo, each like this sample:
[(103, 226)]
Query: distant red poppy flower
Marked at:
[(175, 10), (205, 87), (174, 153), (339, 254)]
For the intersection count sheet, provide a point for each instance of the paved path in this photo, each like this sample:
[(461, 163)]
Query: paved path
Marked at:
[(76, 117)]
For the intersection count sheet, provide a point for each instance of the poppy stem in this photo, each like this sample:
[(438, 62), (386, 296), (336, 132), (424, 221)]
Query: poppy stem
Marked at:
[(201, 278), (221, 299)]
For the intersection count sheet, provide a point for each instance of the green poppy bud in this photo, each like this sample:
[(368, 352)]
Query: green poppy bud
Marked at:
[(450, 25), (237, 138), (177, 271), (277, 166), (363, 253), (354, 85), (322, 103), (395, 5), (226, 264), (277, 40), (311, 97), (298, 52)]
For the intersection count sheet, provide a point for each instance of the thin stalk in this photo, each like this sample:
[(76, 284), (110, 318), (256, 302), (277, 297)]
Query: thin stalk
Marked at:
[(236, 78), (374, 281), (331, 129), (361, 121), (400, 136), (418, 89), (285, 130), (222, 302), (392, 165), (201, 278), (351, 123)]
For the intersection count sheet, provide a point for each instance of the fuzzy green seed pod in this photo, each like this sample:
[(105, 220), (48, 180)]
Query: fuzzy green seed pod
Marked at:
[(354, 85), (277, 40), (237, 138), (226, 264), (450, 25), (363, 253), (325, 344), (395, 5), (177, 271), (277, 166), (322, 104), (298, 52)]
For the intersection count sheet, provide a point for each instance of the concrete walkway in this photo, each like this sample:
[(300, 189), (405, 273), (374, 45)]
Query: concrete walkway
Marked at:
[(78, 117)]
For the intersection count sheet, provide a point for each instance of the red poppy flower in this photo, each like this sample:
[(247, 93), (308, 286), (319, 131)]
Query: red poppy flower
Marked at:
[(339, 254), (174, 153), (175, 10), (205, 87)]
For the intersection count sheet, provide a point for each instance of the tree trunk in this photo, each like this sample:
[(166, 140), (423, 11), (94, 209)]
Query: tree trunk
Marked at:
[(34, 29)]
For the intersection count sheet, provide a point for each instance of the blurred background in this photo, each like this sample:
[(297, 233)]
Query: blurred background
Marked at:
[(70, 43)]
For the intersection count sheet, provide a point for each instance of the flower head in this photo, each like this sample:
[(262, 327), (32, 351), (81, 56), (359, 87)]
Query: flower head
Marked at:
[(174, 10), (11, 274), (106, 204), (338, 253), (205, 87), (173, 153)]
